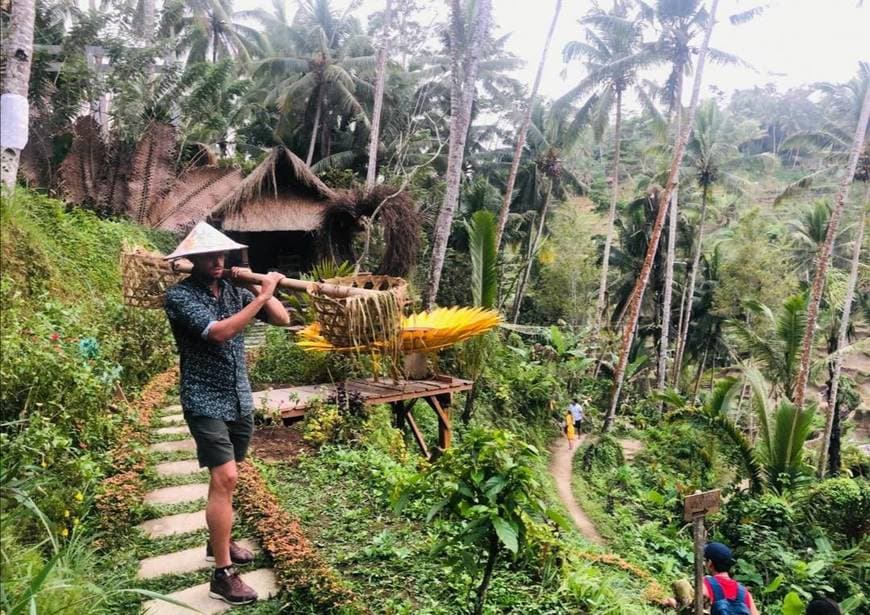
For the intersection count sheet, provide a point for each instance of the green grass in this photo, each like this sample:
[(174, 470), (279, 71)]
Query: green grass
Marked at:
[(153, 481), (387, 559)]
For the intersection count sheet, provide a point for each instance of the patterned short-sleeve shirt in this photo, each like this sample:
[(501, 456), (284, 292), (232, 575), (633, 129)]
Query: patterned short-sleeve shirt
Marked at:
[(214, 377)]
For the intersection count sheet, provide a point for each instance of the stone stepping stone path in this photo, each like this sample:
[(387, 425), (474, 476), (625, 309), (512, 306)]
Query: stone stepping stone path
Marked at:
[(180, 562), (178, 468), (174, 446), (189, 560), (263, 581), (177, 495), (172, 431)]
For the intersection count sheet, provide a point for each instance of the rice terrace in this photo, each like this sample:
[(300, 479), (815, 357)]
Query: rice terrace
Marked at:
[(458, 307)]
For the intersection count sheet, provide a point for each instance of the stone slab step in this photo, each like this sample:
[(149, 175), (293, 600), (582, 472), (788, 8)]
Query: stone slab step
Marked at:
[(173, 409), (178, 494), (172, 430), (171, 419), (181, 523), (263, 581), (174, 446), (175, 468), (181, 562)]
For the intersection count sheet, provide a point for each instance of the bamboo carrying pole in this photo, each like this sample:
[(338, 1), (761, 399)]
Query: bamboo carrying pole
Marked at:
[(333, 290)]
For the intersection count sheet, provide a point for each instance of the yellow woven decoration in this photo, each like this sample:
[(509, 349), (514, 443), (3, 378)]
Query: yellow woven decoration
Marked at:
[(423, 332)]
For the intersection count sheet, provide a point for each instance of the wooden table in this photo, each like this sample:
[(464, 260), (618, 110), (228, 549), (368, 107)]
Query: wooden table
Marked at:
[(436, 391)]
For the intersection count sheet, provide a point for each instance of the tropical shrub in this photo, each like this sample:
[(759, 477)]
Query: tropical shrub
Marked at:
[(841, 506), (280, 362), (489, 485)]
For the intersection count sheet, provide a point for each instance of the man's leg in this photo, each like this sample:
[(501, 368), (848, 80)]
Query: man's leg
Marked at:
[(219, 511)]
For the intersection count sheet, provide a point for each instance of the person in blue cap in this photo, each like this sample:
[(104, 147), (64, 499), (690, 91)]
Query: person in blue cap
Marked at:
[(726, 596)]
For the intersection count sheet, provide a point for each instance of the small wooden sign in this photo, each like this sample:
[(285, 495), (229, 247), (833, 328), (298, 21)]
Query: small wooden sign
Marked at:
[(700, 504)]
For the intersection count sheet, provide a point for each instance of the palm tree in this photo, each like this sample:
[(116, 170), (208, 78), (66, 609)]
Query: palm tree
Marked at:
[(209, 30), (712, 148), (318, 73), (808, 235), (664, 200), (613, 54), (524, 126), (824, 256), (550, 135), (833, 464), (716, 416), (16, 78), (482, 252), (773, 342), (831, 141), (469, 27)]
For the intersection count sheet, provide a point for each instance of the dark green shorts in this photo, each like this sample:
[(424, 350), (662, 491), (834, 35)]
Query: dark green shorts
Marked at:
[(217, 441)]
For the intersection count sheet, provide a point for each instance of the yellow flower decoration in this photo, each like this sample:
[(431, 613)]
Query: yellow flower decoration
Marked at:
[(64, 532), (79, 497)]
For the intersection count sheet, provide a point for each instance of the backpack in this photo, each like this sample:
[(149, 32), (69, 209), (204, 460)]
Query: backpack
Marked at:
[(720, 605)]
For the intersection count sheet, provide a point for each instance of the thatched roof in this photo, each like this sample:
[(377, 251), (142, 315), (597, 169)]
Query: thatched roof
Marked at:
[(193, 197), (281, 194)]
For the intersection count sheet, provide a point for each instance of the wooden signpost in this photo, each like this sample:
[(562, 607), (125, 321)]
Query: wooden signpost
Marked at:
[(695, 507)]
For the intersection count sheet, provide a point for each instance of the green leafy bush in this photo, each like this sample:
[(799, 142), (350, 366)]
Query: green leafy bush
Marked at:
[(603, 453), (280, 362), (841, 506)]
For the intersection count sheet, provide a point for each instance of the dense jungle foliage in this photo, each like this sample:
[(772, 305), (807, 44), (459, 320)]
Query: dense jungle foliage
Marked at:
[(711, 310)]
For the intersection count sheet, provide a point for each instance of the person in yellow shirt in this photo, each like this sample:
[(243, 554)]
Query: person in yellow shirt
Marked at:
[(570, 433)]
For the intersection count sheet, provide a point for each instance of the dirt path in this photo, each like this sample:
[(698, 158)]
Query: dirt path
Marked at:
[(560, 468)]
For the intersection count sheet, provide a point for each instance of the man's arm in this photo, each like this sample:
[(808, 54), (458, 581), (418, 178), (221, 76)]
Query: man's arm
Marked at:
[(274, 309), (222, 330)]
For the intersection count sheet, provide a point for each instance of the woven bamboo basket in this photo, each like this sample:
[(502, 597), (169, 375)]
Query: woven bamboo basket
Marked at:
[(145, 277), (354, 322)]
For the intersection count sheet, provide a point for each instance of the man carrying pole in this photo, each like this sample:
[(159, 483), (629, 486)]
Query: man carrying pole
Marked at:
[(207, 316)]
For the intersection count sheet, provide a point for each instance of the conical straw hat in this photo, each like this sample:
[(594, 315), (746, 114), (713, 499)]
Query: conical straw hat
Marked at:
[(203, 239)]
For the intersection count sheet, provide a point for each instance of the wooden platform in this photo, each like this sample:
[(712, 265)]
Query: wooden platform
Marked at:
[(437, 392)]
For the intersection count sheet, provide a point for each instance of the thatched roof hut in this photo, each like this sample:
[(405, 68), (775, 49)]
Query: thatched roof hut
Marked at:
[(277, 210), (281, 194)]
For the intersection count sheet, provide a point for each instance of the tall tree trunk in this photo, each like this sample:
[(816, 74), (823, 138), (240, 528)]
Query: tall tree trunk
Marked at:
[(611, 217), (463, 74), (663, 203), (317, 112), (844, 329), (521, 135), (823, 260), (149, 19), (535, 245), (664, 341), (690, 293), (14, 108), (380, 79)]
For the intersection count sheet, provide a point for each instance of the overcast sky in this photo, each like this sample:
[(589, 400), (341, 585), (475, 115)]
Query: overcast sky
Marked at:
[(793, 42)]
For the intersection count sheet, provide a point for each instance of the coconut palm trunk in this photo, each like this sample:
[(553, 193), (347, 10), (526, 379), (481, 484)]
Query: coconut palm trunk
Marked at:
[(824, 258), (149, 19), (690, 293), (15, 116), (534, 246), (664, 341), (524, 127), (380, 80), (317, 113), (663, 202), (611, 218), (841, 339), (464, 63)]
